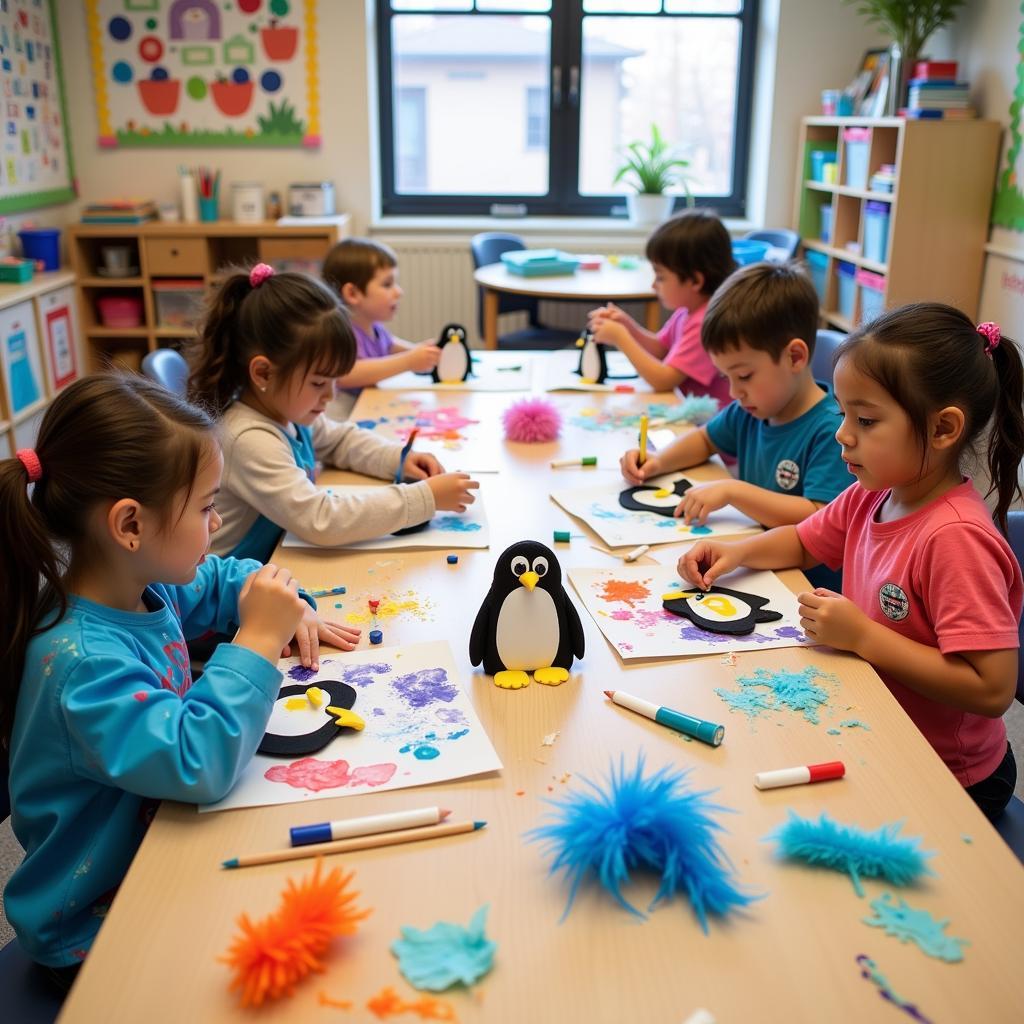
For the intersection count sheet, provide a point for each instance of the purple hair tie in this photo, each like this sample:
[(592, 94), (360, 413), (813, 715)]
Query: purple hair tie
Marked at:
[(261, 272), (992, 335)]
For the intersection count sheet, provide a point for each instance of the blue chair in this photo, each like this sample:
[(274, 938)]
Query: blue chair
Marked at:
[(825, 344), (168, 368), (777, 238), (487, 248)]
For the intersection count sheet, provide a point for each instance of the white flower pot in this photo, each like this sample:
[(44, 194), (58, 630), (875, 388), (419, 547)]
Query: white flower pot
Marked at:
[(647, 210)]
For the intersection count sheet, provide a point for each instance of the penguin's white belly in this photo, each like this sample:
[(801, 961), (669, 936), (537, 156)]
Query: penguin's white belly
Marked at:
[(590, 364), (452, 365), (527, 631)]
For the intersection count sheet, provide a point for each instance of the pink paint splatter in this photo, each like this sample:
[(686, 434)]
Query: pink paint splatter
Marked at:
[(141, 695), (314, 774), (649, 619), (439, 423), (621, 615)]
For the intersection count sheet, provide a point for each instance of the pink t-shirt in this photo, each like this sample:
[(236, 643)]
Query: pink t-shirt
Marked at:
[(684, 352), (942, 576)]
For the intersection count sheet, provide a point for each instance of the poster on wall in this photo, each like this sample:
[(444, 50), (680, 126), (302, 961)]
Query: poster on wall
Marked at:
[(205, 72), (19, 352), (60, 336), (1008, 205), (35, 161)]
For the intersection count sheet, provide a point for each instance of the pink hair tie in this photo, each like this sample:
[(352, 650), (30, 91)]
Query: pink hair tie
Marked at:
[(992, 335), (260, 273), (28, 458)]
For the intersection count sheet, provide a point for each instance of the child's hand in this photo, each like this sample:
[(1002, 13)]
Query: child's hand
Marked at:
[(269, 609), (609, 332), (452, 491), (420, 465), (829, 618), (634, 472), (423, 358), (312, 630), (702, 499), (611, 312), (703, 563)]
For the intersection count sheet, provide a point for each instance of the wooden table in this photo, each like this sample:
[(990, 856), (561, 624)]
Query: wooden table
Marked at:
[(789, 958), (610, 283)]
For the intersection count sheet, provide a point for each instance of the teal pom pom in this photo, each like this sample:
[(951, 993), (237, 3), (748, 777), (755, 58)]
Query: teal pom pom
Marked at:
[(446, 954), (850, 849), (654, 823)]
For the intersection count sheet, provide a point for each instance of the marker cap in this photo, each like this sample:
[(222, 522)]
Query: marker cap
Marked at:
[(303, 835)]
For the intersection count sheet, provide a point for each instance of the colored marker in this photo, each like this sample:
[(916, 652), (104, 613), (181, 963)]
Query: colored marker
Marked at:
[(642, 458), (406, 448), (586, 460), (799, 776), (326, 831), (638, 552), (409, 835), (706, 732), (330, 592)]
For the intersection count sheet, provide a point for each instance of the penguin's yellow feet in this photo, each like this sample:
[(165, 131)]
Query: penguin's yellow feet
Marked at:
[(345, 719), (551, 676), (511, 679)]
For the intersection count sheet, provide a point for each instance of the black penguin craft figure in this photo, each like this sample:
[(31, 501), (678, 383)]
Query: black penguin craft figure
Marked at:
[(455, 363), (593, 367), (527, 622), (720, 610), (307, 716), (662, 501)]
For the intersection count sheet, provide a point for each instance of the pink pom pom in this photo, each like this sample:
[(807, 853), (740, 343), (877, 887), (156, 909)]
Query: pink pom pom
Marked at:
[(532, 420)]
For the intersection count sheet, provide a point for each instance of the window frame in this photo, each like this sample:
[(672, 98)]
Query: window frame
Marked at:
[(563, 198)]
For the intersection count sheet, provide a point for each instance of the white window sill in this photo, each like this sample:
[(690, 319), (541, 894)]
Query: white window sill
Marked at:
[(570, 227)]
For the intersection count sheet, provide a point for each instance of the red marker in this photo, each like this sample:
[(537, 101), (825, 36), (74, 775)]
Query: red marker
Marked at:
[(801, 775)]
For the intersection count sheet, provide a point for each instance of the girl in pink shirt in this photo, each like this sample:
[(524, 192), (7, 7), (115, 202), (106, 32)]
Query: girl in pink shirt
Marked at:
[(931, 590)]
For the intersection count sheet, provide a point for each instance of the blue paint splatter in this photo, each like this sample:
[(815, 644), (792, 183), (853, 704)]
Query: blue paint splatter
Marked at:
[(700, 530), (908, 924), (457, 735), (855, 723), (301, 674), (601, 512), (363, 675), (834, 732), (773, 691), (428, 685), (367, 424), (454, 525), (421, 751)]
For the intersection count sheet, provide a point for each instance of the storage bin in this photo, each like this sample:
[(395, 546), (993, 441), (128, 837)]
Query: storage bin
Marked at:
[(856, 144), (817, 262), (872, 295), (16, 271), (42, 244), (177, 301), (820, 157), (120, 310), (876, 231), (746, 251), (847, 288), (826, 222)]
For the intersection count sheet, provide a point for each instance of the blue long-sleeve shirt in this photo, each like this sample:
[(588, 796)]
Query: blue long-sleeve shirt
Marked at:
[(108, 722)]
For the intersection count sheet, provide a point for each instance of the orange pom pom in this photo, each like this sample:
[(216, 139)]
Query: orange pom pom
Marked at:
[(271, 956)]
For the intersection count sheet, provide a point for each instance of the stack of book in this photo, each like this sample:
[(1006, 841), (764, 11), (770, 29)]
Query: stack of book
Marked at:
[(935, 93), (120, 211)]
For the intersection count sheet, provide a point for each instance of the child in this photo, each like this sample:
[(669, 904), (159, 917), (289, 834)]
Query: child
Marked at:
[(931, 591), (267, 356), (759, 331), (364, 274), (691, 255), (105, 529)]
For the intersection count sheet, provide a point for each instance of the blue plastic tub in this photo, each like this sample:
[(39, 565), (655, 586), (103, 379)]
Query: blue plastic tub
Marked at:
[(42, 244), (856, 143), (876, 231), (820, 157), (847, 288), (826, 222), (872, 295), (817, 262), (747, 251)]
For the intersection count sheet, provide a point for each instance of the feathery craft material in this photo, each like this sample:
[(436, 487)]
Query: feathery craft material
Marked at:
[(654, 822), (271, 956), (445, 954), (852, 850), (908, 924), (532, 421)]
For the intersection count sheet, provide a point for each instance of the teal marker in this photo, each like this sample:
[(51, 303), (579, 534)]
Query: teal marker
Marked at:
[(706, 732)]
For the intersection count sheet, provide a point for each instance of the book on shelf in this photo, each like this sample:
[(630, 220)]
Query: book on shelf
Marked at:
[(119, 211), (932, 69), (939, 114)]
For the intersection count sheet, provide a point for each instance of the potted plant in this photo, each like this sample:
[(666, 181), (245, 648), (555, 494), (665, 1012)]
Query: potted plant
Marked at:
[(651, 169)]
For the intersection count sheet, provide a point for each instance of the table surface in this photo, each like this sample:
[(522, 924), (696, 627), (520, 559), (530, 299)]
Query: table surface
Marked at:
[(610, 282), (791, 956)]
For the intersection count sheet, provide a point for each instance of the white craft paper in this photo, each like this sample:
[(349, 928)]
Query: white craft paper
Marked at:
[(496, 372), (598, 506), (626, 604), (560, 372), (421, 728)]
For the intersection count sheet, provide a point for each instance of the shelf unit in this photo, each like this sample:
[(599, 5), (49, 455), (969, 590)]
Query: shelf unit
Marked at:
[(938, 209), (193, 252)]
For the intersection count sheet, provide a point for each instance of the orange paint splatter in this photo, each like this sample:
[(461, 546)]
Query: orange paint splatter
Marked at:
[(624, 591), (520, 792), (388, 1003), (339, 1004)]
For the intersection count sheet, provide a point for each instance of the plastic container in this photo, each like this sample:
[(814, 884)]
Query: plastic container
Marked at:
[(539, 262), (819, 158), (746, 251), (876, 231), (247, 202), (177, 301), (208, 211), (872, 295), (120, 310), (830, 101), (42, 244), (856, 144), (847, 273), (16, 271), (826, 222), (817, 262)]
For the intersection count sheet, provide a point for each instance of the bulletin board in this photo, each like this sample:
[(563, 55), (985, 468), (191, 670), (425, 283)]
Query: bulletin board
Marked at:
[(205, 72), (35, 162), (1008, 206)]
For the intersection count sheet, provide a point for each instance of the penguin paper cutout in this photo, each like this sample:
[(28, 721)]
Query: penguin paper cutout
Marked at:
[(455, 363), (720, 610), (334, 713), (526, 622), (593, 366), (662, 501)]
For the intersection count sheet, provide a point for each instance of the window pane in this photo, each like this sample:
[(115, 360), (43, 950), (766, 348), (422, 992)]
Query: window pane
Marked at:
[(703, 6), (679, 73), (474, 125), (621, 6), (432, 5), (538, 6)]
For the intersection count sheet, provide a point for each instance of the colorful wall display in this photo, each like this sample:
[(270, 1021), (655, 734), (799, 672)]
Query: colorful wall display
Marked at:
[(1008, 206), (35, 157), (205, 72)]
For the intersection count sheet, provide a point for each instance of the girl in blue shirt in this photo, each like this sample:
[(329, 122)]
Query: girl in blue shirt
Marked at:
[(105, 529)]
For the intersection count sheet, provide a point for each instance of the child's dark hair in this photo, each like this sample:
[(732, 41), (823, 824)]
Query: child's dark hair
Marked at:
[(764, 306), (355, 261), (292, 319), (929, 356), (105, 437), (693, 242)]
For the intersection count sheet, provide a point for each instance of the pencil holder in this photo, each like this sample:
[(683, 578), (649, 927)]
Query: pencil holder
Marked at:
[(207, 208)]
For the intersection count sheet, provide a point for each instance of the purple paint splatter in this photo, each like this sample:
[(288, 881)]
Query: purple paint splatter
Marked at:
[(419, 689), (791, 633), (453, 716), (363, 675), (301, 674), (378, 711)]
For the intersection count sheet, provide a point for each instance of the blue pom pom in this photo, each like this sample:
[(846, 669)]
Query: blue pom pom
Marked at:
[(655, 823), (850, 849)]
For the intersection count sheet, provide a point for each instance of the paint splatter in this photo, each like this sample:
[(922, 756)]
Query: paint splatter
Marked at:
[(599, 511), (869, 970), (774, 691), (419, 689), (441, 424), (629, 592), (790, 633), (453, 524), (379, 712), (855, 723), (453, 716), (301, 674), (908, 924), (364, 675), (421, 751), (834, 732), (316, 775), (407, 603), (458, 734)]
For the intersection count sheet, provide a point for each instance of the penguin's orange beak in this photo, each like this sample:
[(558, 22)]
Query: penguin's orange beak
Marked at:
[(529, 579)]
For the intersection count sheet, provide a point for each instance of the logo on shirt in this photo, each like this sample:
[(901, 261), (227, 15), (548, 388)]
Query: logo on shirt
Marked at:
[(787, 474), (894, 602)]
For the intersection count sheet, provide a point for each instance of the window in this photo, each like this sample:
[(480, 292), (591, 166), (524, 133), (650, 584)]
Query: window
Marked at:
[(529, 104)]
